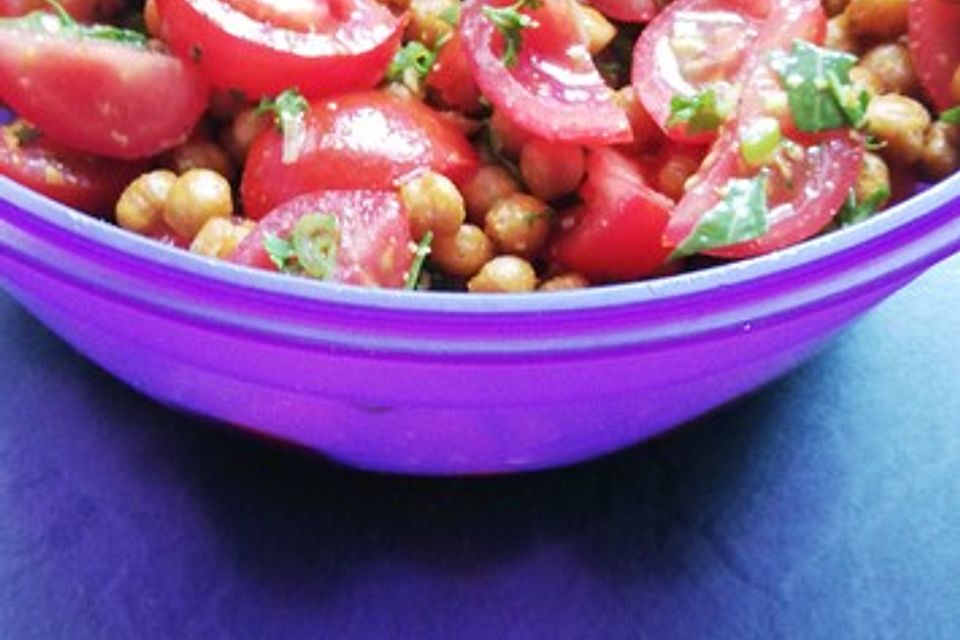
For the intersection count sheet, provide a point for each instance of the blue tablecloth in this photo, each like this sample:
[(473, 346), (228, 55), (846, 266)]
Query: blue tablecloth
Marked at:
[(825, 506)]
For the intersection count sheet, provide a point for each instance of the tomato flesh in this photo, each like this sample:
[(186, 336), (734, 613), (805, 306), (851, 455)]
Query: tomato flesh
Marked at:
[(935, 47), (102, 97), (554, 89), (82, 10), (76, 179), (627, 10), (324, 48), (374, 248), (450, 78), (366, 140), (616, 234)]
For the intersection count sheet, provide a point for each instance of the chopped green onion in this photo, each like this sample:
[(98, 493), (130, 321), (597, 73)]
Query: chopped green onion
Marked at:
[(760, 141), (310, 250), (288, 111), (419, 258)]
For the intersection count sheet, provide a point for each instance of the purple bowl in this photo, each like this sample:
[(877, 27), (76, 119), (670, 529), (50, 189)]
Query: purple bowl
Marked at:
[(435, 383)]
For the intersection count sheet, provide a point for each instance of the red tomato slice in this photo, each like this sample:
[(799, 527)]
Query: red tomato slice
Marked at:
[(76, 179), (617, 233), (374, 249), (627, 10), (554, 90), (364, 140), (450, 78), (691, 45), (82, 10), (322, 47), (102, 97), (809, 185), (935, 46)]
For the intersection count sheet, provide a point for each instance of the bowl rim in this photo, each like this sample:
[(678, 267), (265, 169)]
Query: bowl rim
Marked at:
[(664, 289)]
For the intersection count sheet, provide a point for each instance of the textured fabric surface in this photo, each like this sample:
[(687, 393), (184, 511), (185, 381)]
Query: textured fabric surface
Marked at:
[(824, 506)]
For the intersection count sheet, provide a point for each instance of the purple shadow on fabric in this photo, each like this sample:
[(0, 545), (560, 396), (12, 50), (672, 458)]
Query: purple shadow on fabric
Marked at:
[(437, 383)]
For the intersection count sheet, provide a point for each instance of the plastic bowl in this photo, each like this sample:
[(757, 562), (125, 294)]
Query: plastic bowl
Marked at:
[(434, 383)]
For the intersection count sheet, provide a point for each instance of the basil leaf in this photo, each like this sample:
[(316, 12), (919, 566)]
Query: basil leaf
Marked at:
[(701, 112), (951, 116), (853, 212), (740, 216), (819, 91)]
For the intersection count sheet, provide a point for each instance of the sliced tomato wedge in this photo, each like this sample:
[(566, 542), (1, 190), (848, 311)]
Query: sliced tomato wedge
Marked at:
[(76, 179), (808, 183), (450, 79), (365, 140), (627, 10), (107, 98), (83, 10), (691, 46), (552, 88), (372, 228), (935, 47), (616, 234), (321, 47)]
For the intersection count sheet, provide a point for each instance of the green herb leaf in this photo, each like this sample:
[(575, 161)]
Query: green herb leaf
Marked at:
[(414, 59), (288, 111), (310, 250), (701, 112), (951, 116), (740, 216), (819, 91), (419, 258), (853, 212), (510, 23), (280, 251)]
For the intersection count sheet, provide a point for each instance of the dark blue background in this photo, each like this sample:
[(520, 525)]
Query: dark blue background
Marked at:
[(826, 506)]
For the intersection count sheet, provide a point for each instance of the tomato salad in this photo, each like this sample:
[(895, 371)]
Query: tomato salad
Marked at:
[(480, 145)]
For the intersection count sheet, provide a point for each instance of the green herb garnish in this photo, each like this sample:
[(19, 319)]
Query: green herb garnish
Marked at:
[(311, 248), (739, 217), (853, 211), (951, 116), (412, 63), (62, 22), (419, 258), (702, 112), (288, 109), (510, 23)]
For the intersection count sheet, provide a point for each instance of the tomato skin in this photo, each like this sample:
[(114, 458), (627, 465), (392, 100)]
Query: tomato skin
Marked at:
[(554, 90), (75, 179), (365, 140), (351, 51), (97, 96), (375, 239), (616, 234), (450, 79), (82, 10), (627, 10), (935, 47)]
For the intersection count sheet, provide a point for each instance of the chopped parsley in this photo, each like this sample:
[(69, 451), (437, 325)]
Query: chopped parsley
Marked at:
[(702, 112), (311, 248), (419, 258), (510, 23), (853, 211), (739, 217), (951, 116), (288, 111), (818, 86)]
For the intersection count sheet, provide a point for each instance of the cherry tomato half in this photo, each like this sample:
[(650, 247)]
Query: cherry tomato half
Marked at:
[(935, 46), (365, 140), (371, 226), (627, 10), (82, 10), (321, 47)]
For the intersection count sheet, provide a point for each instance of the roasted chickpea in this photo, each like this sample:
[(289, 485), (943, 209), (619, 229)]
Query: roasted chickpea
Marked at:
[(941, 150), (835, 7), (902, 124), (552, 169), (892, 65), (509, 136), (197, 196), (151, 18), (238, 137), (863, 78), (519, 225), (504, 274), (140, 207), (219, 237), (491, 184), (874, 177), (433, 204), (883, 19), (564, 282), (600, 31), (463, 253), (840, 36), (674, 174), (430, 20), (200, 153)]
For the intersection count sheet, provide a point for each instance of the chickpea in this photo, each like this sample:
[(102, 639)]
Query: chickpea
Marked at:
[(434, 204), (238, 137), (863, 78), (140, 207), (552, 169), (883, 19), (835, 7), (519, 225), (504, 274), (151, 18), (955, 85), (463, 253), (674, 174), (901, 123), (600, 32), (840, 36), (430, 20), (564, 282), (508, 135), (892, 65), (491, 184), (219, 237), (200, 153), (874, 177), (941, 151), (196, 197)]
